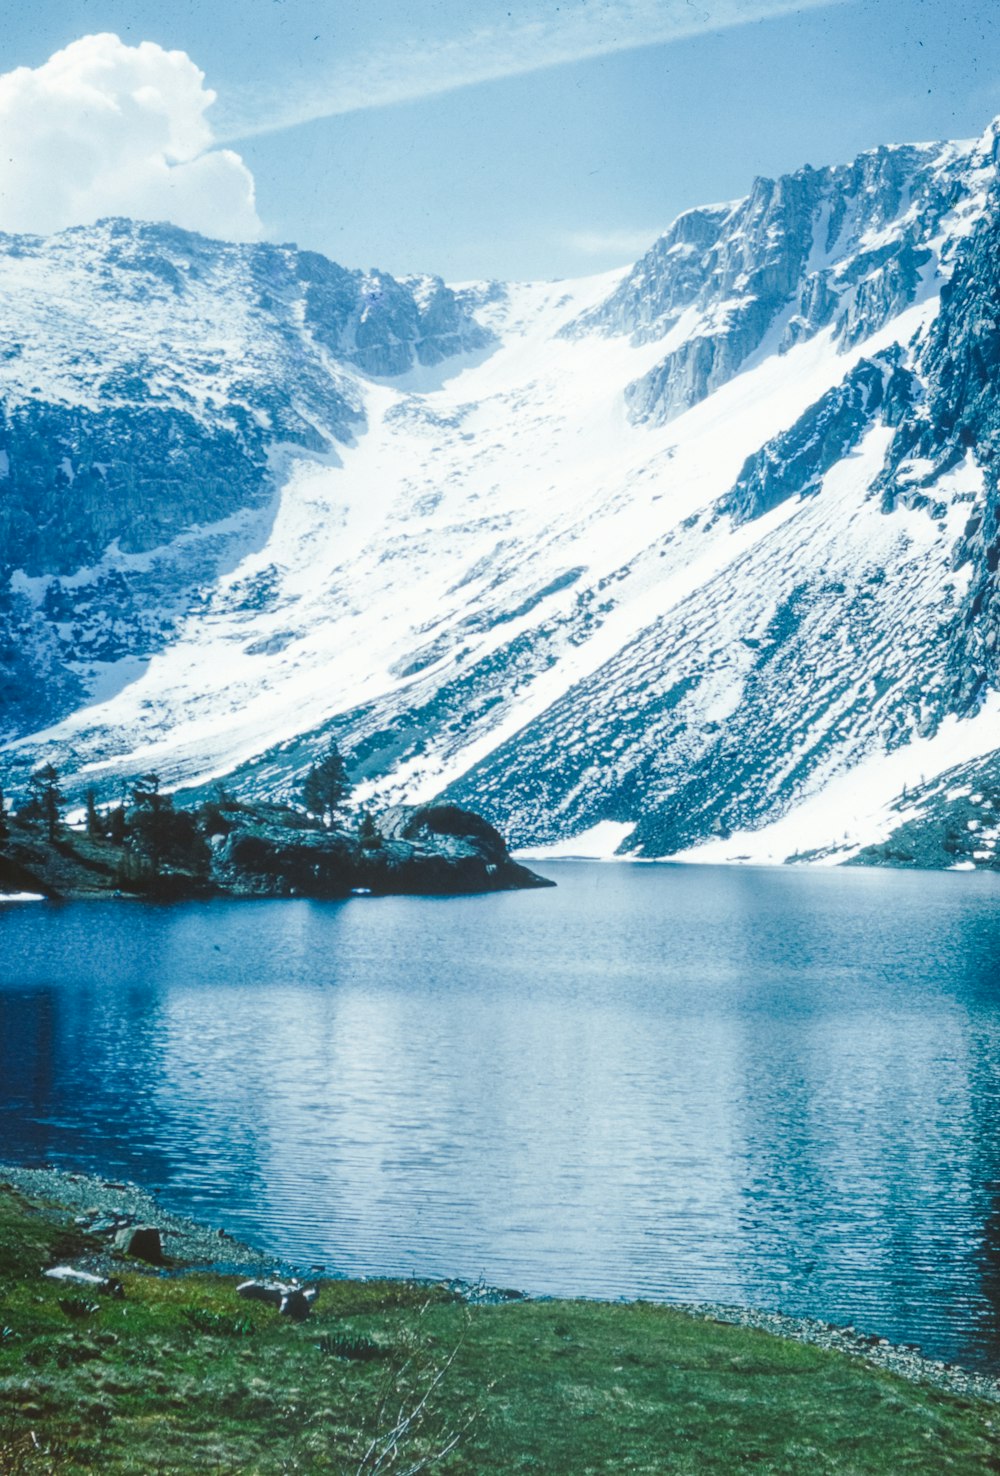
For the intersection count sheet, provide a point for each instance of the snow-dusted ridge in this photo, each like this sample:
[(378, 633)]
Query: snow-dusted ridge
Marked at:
[(487, 536)]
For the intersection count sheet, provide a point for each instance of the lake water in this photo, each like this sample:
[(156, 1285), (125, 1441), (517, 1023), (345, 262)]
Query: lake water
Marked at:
[(779, 1088)]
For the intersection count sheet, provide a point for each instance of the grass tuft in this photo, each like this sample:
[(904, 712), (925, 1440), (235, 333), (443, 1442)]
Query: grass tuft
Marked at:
[(218, 1324), (355, 1350)]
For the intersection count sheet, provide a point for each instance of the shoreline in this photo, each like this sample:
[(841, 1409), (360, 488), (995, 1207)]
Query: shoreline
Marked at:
[(542, 857), (195, 1247)]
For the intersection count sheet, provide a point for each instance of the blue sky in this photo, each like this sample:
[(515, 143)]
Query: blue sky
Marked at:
[(541, 138)]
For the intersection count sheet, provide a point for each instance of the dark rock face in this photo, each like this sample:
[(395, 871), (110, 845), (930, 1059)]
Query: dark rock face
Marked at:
[(951, 416), (79, 479), (141, 1241), (794, 463), (962, 370), (796, 256), (700, 365), (276, 860), (380, 325), (952, 820)]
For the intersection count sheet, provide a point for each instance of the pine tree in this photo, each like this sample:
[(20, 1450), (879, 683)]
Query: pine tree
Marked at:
[(368, 832), (146, 791), (115, 825), (46, 798), (152, 819), (96, 827), (326, 786), (4, 828)]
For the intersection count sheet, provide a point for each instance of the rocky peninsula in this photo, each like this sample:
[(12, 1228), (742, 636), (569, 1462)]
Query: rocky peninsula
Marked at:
[(232, 848)]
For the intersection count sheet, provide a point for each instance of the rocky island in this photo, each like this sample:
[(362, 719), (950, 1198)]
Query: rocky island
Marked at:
[(147, 846)]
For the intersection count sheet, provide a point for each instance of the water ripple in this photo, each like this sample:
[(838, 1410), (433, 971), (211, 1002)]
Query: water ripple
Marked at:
[(769, 1088)]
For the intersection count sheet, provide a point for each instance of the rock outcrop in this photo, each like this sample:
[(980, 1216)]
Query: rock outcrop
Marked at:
[(846, 247), (794, 463), (427, 849), (442, 848), (258, 850)]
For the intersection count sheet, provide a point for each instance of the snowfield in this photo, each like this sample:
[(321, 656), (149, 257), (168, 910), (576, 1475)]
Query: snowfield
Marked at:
[(514, 574)]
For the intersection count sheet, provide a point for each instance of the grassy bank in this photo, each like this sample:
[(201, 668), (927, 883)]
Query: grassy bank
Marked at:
[(180, 1376)]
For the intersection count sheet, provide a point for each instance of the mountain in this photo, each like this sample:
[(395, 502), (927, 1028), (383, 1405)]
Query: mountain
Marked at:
[(698, 558)]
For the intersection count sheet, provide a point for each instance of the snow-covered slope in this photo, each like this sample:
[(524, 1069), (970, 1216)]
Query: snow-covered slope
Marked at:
[(701, 553)]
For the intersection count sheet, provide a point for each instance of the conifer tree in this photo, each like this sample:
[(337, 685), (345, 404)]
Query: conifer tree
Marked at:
[(46, 798), (368, 832), (115, 825), (152, 820), (326, 786), (96, 827)]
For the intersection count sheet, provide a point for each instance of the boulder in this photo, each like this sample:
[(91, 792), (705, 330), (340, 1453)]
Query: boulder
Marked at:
[(107, 1285), (141, 1241), (441, 849), (434, 824), (291, 1299)]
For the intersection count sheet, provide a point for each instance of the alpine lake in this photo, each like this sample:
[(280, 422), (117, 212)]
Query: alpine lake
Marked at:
[(776, 1088)]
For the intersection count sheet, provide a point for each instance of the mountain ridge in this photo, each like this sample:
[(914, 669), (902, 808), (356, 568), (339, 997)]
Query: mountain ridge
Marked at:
[(675, 550)]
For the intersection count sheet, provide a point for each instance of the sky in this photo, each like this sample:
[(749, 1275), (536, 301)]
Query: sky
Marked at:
[(519, 139)]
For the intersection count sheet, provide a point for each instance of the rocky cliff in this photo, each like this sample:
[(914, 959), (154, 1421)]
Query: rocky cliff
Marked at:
[(154, 389)]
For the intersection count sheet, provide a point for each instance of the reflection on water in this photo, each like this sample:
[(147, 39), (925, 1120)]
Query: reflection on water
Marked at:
[(771, 1087)]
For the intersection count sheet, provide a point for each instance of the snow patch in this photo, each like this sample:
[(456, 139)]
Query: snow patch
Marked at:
[(599, 843), (858, 807)]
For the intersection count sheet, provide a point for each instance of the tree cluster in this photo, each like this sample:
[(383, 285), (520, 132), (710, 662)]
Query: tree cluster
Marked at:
[(45, 800), (145, 823)]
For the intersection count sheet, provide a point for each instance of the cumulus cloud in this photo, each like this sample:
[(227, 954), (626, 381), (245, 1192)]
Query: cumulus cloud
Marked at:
[(102, 128)]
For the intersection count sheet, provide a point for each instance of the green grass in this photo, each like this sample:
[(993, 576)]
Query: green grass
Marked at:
[(182, 1377)]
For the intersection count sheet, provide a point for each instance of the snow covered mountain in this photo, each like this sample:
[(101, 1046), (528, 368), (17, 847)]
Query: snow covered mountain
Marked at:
[(698, 558)]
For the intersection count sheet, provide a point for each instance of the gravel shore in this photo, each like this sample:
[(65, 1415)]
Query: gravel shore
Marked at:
[(904, 1360), (185, 1242), (190, 1245)]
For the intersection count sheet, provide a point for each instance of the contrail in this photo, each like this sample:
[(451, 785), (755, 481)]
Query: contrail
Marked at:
[(406, 73)]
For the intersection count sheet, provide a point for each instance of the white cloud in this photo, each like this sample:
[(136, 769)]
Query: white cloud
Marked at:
[(102, 128), (555, 36)]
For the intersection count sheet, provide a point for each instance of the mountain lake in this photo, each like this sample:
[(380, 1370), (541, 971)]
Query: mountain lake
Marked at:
[(778, 1088)]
